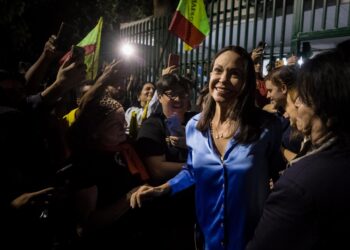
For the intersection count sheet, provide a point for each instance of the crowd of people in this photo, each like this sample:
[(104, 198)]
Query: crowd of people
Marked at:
[(261, 162)]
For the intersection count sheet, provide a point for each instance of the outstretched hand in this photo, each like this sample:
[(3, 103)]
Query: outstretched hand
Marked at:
[(146, 193), (30, 198)]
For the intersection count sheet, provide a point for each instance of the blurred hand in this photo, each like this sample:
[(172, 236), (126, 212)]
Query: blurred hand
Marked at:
[(31, 198), (112, 72), (71, 74), (292, 60), (145, 193), (178, 141), (50, 51), (257, 54), (170, 70)]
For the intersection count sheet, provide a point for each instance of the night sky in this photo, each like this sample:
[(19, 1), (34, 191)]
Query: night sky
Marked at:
[(27, 25)]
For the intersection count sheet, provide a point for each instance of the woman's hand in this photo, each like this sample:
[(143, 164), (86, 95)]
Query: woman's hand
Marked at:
[(146, 192)]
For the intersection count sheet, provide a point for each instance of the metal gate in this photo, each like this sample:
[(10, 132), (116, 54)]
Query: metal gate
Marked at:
[(285, 25)]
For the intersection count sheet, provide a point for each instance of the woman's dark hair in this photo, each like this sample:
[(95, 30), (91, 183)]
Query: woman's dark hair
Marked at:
[(140, 87), (243, 107), (202, 95), (324, 85), (283, 75), (173, 81)]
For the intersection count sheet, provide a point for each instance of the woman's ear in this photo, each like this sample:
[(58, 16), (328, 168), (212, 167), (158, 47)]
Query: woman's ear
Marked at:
[(284, 89)]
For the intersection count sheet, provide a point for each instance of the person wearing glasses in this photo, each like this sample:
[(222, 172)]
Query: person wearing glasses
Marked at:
[(233, 151), (162, 146)]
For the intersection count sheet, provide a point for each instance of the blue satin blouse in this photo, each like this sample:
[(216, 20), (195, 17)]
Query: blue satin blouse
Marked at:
[(230, 192)]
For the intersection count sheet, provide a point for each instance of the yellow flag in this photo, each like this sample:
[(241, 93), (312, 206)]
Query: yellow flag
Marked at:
[(92, 43)]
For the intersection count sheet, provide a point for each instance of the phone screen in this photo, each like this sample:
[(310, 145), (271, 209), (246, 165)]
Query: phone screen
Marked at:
[(78, 53), (173, 60)]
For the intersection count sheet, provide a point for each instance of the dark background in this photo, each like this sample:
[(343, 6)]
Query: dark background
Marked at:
[(27, 25)]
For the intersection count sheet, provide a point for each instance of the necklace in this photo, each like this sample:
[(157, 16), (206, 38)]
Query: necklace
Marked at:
[(218, 135)]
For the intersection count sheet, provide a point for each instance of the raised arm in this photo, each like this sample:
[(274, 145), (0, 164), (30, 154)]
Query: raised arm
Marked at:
[(37, 72), (70, 75)]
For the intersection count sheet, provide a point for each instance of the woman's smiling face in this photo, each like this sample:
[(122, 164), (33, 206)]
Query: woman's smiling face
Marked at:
[(226, 77)]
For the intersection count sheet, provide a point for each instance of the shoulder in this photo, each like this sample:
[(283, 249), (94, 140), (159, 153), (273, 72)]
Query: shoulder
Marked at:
[(268, 120), (131, 109), (320, 169), (153, 123), (192, 123), (154, 119), (191, 127)]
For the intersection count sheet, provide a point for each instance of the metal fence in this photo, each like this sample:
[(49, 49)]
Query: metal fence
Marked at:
[(283, 24)]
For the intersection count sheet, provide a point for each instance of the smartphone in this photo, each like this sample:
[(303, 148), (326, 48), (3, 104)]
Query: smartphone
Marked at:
[(64, 36), (262, 45), (173, 60), (78, 53)]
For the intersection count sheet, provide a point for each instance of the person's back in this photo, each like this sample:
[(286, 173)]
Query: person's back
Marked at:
[(326, 192)]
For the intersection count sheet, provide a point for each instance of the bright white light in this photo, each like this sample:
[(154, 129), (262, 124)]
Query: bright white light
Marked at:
[(285, 62), (300, 61), (127, 50)]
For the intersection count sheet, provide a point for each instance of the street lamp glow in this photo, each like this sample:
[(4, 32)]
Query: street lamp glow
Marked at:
[(127, 50)]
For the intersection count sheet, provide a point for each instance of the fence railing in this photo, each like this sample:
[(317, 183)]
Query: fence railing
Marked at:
[(282, 24)]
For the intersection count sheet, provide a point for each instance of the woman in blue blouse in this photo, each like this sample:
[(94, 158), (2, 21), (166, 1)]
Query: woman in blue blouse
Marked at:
[(233, 152)]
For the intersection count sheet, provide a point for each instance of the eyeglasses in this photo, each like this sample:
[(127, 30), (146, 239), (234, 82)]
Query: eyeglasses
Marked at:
[(173, 95)]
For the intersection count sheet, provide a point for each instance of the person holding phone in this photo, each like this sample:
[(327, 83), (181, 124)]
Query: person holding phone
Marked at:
[(261, 92), (36, 73)]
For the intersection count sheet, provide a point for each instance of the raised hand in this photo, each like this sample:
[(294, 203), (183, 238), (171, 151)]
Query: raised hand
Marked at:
[(50, 50), (70, 75), (112, 72), (170, 70), (257, 54)]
